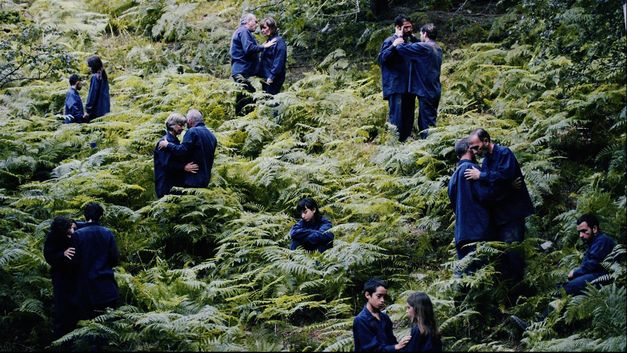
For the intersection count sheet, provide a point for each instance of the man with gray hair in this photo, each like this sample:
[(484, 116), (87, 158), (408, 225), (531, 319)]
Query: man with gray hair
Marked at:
[(170, 169), (198, 146), (244, 58)]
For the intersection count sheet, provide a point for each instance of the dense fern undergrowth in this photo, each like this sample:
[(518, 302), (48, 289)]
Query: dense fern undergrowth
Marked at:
[(211, 269)]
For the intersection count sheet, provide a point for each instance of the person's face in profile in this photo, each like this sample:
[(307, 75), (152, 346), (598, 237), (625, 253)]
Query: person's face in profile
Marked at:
[(252, 24), (79, 84), (71, 230), (265, 30), (307, 214), (177, 129)]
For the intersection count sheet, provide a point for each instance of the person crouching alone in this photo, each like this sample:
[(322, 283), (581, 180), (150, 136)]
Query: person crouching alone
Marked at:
[(312, 231)]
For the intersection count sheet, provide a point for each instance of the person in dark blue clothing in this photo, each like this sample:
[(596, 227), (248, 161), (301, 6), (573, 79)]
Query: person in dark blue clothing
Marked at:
[(169, 169), (273, 59), (73, 109), (424, 335), (245, 58), (472, 218), (96, 255), (599, 246), (312, 231), (372, 328), (98, 103), (509, 206), (424, 74), (198, 146), (59, 254), (395, 74)]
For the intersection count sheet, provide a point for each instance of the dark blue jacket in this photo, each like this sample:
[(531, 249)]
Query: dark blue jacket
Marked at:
[(420, 343), (498, 170), (244, 49), (169, 169), (98, 103), (312, 235), (425, 60), (472, 218), (598, 248), (198, 146), (395, 69), (372, 335), (62, 270), (96, 255), (74, 105), (272, 63)]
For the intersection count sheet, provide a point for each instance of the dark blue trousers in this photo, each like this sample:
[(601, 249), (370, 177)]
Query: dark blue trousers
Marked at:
[(427, 113), (576, 285), (402, 107)]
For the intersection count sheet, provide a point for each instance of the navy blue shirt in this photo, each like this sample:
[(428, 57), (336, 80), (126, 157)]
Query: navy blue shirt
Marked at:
[(312, 235), (472, 218), (425, 60), (372, 335), (395, 69), (169, 170), (198, 146), (498, 170), (244, 49), (96, 255), (73, 104), (98, 103), (273, 60), (598, 248), (422, 343)]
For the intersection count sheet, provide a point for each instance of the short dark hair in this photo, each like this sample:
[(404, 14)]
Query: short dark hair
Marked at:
[(74, 79), (590, 219), (372, 284), (461, 146), (398, 21), (481, 134), (93, 211), (308, 202), (430, 30), (270, 23)]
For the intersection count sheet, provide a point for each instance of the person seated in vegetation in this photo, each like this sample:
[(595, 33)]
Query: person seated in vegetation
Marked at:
[(96, 255), (169, 169), (467, 197), (59, 254), (245, 57), (312, 231), (599, 246), (395, 74), (73, 104), (372, 328), (98, 102), (424, 335), (426, 61), (198, 146), (273, 59)]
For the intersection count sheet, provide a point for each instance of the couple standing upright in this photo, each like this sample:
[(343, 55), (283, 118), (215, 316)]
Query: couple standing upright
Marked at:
[(245, 60), (410, 68)]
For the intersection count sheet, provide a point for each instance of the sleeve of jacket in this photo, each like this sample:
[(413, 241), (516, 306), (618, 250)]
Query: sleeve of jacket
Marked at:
[(92, 95), (366, 339), (278, 65), (412, 50), (592, 261), (322, 234), (185, 146), (74, 106), (299, 232), (114, 253), (248, 43), (386, 52), (505, 171)]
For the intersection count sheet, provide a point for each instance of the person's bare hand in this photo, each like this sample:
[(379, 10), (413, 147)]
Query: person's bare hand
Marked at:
[(402, 343), (69, 253), (472, 174), (571, 274), (163, 144), (269, 81), (191, 167), (269, 43), (517, 183), (398, 41)]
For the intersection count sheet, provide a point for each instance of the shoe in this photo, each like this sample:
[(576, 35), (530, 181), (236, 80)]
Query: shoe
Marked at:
[(519, 322)]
